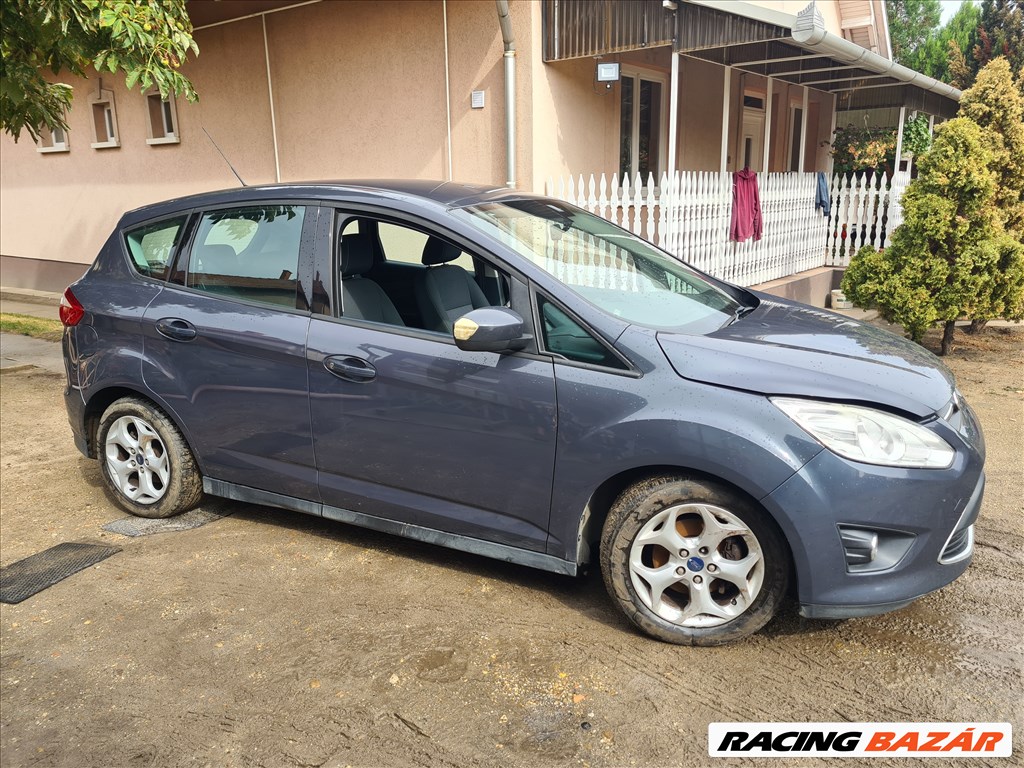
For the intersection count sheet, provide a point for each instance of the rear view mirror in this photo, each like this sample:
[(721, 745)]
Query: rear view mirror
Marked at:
[(490, 329)]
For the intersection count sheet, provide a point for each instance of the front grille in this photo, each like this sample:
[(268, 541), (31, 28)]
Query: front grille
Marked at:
[(959, 545)]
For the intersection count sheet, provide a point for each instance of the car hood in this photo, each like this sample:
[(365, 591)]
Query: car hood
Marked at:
[(782, 348)]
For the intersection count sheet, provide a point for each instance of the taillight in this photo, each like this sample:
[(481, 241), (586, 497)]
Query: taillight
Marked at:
[(71, 311)]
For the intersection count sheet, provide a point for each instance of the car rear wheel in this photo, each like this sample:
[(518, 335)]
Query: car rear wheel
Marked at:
[(146, 465), (691, 562)]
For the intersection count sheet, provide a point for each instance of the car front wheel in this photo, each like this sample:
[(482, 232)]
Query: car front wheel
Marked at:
[(146, 465), (691, 562)]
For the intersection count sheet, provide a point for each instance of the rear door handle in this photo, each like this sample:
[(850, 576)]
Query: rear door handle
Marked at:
[(350, 368), (176, 329)]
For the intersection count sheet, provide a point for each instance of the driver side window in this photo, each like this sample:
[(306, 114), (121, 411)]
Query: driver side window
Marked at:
[(409, 277)]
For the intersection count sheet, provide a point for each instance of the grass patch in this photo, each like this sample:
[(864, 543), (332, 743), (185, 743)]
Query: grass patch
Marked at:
[(36, 327)]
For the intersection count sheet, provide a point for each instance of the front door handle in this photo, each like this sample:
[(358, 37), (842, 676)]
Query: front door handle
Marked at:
[(350, 368), (176, 329)]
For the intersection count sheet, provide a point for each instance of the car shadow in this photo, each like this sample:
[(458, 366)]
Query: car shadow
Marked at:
[(584, 594)]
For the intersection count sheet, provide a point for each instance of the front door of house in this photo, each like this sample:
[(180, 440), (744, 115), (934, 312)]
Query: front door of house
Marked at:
[(752, 143)]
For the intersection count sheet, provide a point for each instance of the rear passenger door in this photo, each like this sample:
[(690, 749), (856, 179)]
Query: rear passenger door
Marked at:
[(225, 345)]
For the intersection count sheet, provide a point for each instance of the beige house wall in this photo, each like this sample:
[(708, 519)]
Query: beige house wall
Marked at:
[(700, 115), (62, 206), (829, 11), (336, 97), (358, 93)]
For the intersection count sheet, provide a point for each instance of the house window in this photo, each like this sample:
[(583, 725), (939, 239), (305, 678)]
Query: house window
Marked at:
[(796, 126), (104, 120), (55, 140), (640, 125), (163, 119)]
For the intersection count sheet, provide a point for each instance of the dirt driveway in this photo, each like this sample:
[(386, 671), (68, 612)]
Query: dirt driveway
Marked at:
[(271, 639)]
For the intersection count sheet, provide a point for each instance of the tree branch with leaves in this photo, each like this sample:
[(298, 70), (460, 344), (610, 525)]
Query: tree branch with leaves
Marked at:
[(146, 40)]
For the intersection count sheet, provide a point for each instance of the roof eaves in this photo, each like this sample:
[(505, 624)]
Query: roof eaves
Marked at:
[(808, 32)]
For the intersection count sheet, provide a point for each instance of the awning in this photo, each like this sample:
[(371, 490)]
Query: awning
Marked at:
[(807, 54), (751, 38)]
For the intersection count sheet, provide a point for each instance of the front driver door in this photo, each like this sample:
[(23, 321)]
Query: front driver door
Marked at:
[(411, 428)]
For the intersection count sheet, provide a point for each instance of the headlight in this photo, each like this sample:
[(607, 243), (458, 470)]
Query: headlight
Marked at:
[(864, 434)]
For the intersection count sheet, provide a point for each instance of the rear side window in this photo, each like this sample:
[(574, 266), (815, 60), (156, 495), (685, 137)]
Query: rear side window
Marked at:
[(152, 247), (248, 253)]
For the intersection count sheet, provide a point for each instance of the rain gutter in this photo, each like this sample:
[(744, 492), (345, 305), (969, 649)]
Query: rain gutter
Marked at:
[(809, 32)]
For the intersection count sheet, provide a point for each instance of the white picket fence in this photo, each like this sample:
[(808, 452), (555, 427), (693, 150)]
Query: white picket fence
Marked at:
[(689, 214), (865, 211)]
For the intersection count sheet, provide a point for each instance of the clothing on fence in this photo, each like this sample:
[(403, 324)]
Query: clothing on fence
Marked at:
[(821, 198), (746, 207)]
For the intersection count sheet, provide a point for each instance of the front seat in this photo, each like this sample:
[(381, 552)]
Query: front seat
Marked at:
[(361, 298), (445, 292)]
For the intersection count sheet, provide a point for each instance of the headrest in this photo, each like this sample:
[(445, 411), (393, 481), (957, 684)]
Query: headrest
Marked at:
[(356, 254), (218, 259), (439, 252)]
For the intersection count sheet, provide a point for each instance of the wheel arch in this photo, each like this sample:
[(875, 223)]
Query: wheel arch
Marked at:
[(100, 400), (601, 500)]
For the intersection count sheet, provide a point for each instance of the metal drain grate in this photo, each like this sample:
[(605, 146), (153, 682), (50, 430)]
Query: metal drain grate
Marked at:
[(20, 580), (144, 526)]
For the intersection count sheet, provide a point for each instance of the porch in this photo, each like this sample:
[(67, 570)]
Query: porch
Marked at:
[(688, 215), (705, 88)]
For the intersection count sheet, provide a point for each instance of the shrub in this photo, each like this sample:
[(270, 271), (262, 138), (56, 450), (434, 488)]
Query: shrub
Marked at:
[(943, 259)]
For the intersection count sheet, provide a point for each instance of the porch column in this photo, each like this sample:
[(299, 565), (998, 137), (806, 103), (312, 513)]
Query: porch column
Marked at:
[(768, 126), (726, 86), (673, 116), (803, 129), (899, 139), (831, 160), (931, 125)]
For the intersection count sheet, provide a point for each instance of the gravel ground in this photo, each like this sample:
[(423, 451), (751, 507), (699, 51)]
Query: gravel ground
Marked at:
[(270, 639)]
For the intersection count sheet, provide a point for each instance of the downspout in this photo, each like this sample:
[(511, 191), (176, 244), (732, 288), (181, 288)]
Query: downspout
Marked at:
[(510, 90)]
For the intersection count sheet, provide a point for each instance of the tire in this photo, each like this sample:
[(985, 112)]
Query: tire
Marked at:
[(717, 575), (166, 482)]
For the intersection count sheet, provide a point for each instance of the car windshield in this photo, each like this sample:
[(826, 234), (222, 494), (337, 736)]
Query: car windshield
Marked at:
[(609, 267)]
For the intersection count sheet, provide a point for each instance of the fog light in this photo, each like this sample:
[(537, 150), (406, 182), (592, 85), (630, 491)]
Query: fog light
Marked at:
[(869, 550), (859, 545)]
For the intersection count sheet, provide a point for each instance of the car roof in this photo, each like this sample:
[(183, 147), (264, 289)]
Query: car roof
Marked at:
[(443, 194)]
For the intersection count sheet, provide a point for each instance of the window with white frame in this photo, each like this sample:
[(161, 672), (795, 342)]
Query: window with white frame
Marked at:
[(163, 119), (796, 126), (642, 145), (104, 120), (55, 140)]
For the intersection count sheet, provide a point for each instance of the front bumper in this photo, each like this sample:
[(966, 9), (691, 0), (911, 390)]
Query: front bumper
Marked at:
[(928, 513)]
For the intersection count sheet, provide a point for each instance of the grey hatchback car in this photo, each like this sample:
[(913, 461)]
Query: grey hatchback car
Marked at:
[(511, 376)]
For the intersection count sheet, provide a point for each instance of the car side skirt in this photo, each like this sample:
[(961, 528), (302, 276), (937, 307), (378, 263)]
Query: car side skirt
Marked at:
[(503, 552)]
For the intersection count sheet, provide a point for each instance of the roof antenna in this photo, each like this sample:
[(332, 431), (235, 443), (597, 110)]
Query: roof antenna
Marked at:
[(224, 156)]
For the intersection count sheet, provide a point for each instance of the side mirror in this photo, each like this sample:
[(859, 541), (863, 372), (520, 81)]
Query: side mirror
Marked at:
[(490, 329)]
